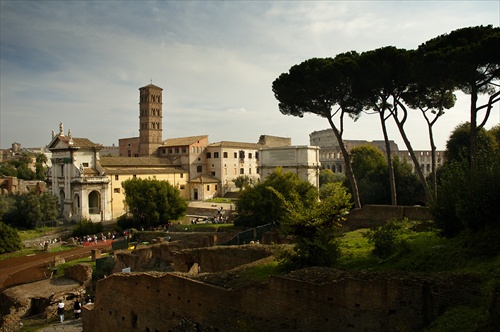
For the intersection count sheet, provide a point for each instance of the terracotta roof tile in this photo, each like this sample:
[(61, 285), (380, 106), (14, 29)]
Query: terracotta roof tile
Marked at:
[(182, 140), (237, 145)]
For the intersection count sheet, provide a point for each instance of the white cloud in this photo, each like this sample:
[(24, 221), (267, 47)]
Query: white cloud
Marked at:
[(83, 62)]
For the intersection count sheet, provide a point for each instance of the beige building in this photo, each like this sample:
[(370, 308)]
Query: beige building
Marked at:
[(119, 169), (301, 160)]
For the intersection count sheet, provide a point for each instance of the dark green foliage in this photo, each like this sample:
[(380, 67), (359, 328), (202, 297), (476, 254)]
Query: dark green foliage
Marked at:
[(468, 199), (25, 210), (87, 227), (271, 200), (384, 238), (242, 182), (152, 202), (20, 167), (370, 167), (125, 222), (327, 176), (9, 239), (329, 189), (316, 232)]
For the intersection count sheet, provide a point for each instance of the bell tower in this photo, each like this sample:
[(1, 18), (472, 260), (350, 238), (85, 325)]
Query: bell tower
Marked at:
[(150, 119)]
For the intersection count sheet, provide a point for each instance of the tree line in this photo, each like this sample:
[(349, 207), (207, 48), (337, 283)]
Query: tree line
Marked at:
[(390, 82)]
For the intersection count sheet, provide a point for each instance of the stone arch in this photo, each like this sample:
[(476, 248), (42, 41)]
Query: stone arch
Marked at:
[(94, 202)]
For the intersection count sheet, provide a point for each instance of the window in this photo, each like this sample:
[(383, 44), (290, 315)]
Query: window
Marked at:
[(235, 155), (176, 150), (85, 164), (216, 154), (170, 151), (224, 154), (134, 176), (209, 155), (242, 171), (117, 177), (212, 173), (242, 154), (215, 188), (249, 155), (257, 155), (182, 175), (249, 171), (199, 169), (116, 190), (208, 187), (184, 150), (182, 187)]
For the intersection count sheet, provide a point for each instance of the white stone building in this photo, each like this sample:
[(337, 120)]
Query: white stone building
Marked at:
[(301, 160), (77, 178)]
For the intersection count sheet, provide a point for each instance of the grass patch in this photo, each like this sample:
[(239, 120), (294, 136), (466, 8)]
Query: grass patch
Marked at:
[(29, 234), (261, 273), (220, 200)]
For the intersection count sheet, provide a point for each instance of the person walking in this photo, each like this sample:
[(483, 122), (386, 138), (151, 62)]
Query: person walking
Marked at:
[(77, 308), (60, 310)]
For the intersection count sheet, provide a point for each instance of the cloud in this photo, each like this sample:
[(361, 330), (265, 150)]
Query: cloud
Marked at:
[(82, 62)]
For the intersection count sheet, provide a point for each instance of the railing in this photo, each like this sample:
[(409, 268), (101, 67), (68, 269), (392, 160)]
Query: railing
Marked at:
[(252, 234)]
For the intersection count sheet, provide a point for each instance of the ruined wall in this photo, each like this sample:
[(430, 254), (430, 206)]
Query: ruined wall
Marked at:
[(376, 215), (216, 259), (79, 272), (157, 302)]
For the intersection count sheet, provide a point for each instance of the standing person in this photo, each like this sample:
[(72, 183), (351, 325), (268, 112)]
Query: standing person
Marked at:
[(77, 308), (60, 310)]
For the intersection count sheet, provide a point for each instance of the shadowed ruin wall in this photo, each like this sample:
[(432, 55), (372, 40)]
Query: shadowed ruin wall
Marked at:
[(216, 259), (157, 302), (376, 215)]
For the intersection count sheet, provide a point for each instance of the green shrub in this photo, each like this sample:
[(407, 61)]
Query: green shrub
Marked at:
[(124, 222), (384, 238), (87, 227), (9, 239)]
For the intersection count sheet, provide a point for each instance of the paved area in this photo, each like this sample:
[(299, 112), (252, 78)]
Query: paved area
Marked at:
[(70, 325)]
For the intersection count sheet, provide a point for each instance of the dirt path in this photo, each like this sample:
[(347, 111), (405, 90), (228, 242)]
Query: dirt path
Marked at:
[(20, 270)]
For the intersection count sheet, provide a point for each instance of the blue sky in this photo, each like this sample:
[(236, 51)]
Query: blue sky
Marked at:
[(82, 63)]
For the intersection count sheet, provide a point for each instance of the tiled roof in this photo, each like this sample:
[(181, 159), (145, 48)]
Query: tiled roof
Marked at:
[(237, 145), (90, 171), (77, 142), (182, 141), (151, 86), (204, 178)]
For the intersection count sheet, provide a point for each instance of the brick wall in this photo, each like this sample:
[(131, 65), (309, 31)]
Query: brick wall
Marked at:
[(371, 302), (375, 215)]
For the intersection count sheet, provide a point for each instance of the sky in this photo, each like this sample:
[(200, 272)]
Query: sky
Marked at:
[(82, 62)]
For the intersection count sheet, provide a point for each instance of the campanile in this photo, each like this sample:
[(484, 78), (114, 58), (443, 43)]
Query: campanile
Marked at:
[(150, 119)]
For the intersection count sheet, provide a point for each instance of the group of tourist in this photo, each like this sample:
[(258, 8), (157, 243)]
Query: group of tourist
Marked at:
[(94, 239), (77, 307)]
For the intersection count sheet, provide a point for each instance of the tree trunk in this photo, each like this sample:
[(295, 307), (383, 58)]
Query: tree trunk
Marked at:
[(348, 167), (392, 179), (418, 170)]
